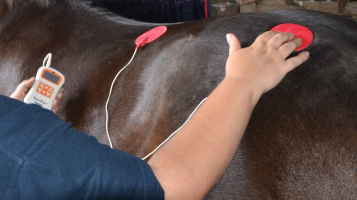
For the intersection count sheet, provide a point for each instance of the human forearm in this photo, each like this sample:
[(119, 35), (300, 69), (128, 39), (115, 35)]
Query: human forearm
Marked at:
[(196, 157), (203, 149)]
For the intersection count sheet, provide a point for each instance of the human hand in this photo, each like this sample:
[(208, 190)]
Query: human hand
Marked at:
[(263, 64), (25, 86)]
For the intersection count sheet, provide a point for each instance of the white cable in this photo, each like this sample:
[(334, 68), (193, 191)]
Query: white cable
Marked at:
[(107, 116), (47, 59), (172, 134), (110, 92)]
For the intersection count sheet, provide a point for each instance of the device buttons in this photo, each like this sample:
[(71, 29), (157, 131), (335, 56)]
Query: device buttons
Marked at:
[(44, 89)]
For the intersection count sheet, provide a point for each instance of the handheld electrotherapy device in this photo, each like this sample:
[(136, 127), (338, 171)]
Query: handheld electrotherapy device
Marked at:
[(47, 85)]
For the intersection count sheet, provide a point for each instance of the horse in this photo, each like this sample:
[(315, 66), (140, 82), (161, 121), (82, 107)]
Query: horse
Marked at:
[(300, 142)]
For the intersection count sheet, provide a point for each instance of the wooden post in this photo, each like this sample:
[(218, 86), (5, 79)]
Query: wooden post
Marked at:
[(341, 6), (246, 6)]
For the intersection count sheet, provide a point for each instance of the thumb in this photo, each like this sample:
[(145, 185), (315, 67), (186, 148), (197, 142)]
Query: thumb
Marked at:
[(29, 82), (22, 89), (234, 43)]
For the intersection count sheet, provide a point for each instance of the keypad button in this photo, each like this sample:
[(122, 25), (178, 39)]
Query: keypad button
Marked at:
[(45, 89)]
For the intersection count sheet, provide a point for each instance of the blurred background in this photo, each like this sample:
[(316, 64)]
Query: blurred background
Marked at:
[(170, 11), (347, 8)]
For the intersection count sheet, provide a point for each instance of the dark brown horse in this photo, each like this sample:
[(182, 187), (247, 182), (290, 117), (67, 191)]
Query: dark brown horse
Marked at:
[(301, 142)]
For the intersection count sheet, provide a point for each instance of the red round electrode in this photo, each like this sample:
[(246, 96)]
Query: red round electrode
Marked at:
[(300, 32), (150, 35)]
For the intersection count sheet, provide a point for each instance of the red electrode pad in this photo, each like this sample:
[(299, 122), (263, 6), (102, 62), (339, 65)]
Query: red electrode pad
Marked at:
[(150, 35), (300, 32)]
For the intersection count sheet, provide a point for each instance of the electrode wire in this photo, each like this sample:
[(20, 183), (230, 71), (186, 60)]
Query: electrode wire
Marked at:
[(110, 92), (107, 115), (172, 134)]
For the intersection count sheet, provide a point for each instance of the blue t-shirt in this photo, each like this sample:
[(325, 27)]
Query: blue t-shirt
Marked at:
[(42, 157), (159, 11)]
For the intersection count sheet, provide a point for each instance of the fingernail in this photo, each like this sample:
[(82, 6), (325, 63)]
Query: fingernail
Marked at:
[(229, 37), (299, 40)]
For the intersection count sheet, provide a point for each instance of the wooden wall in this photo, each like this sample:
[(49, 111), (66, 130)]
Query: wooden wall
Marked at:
[(338, 7)]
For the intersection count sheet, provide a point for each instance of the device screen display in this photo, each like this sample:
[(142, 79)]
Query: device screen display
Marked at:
[(51, 77)]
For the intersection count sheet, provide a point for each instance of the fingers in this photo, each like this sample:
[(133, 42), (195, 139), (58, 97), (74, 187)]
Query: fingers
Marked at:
[(279, 39), (22, 89), (57, 101), (287, 48), (55, 106), (293, 62), (234, 43), (276, 39), (285, 43), (265, 37)]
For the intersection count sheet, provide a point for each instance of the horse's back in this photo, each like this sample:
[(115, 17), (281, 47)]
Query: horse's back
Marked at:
[(300, 141)]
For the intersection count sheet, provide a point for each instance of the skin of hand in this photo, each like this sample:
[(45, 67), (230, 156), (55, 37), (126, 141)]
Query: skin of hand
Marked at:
[(194, 160), (263, 64), (25, 86)]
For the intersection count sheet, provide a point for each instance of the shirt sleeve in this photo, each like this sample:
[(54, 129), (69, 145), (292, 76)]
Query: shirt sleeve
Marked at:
[(63, 163), (76, 166)]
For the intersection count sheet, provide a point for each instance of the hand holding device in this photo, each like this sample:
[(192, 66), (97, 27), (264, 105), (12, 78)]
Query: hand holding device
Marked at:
[(47, 85)]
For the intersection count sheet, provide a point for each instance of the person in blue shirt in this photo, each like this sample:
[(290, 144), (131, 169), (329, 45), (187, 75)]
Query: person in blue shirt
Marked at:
[(159, 11)]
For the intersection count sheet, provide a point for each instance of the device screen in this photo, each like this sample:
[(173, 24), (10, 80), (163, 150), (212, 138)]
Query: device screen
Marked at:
[(51, 77)]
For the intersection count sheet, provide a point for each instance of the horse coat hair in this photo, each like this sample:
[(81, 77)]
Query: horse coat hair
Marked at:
[(301, 139)]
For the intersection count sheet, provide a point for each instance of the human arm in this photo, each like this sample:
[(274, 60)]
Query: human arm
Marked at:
[(25, 86), (192, 162)]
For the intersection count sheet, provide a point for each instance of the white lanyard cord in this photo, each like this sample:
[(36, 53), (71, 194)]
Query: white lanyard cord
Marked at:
[(47, 61)]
